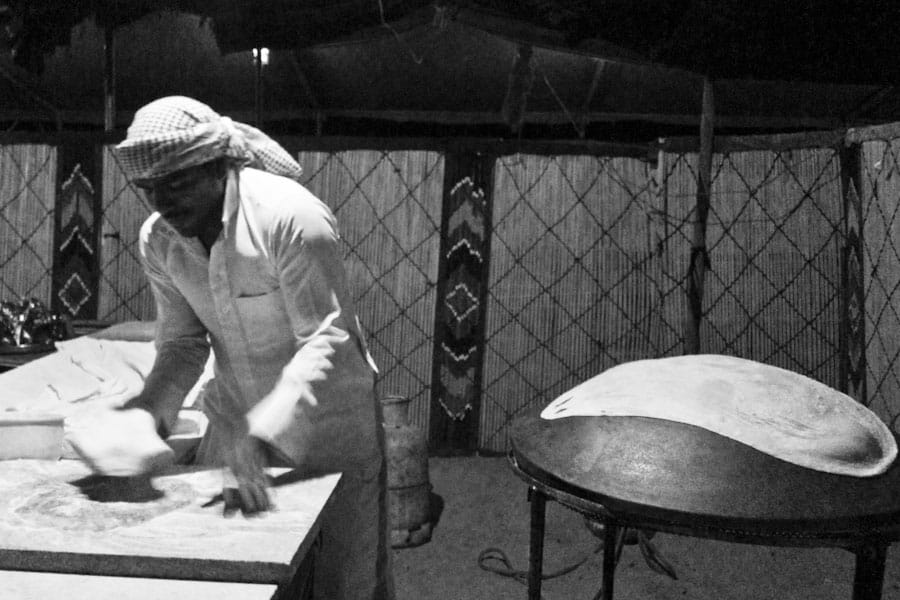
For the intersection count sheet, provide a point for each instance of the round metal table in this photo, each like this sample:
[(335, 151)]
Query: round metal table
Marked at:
[(659, 475)]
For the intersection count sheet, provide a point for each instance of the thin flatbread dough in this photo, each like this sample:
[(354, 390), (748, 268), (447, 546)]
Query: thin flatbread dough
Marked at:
[(776, 411)]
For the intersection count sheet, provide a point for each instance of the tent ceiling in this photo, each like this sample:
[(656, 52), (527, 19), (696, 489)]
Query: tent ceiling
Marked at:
[(776, 65), (839, 41)]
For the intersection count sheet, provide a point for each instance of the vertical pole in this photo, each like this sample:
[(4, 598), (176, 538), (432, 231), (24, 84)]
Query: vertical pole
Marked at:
[(868, 578), (658, 245), (852, 342), (699, 263), (610, 557), (536, 550), (662, 194), (109, 79), (258, 84)]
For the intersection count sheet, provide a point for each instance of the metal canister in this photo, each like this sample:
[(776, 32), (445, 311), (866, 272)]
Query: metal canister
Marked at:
[(409, 488)]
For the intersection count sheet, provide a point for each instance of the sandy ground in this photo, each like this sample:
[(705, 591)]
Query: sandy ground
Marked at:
[(485, 506)]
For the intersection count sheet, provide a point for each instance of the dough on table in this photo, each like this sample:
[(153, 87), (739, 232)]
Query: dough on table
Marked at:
[(776, 411)]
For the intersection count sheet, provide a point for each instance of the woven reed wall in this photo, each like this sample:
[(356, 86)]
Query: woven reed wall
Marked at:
[(881, 235), (589, 258), (124, 292), (388, 206), (677, 191), (774, 234), (587, 269), (27, 200), (574, 280)]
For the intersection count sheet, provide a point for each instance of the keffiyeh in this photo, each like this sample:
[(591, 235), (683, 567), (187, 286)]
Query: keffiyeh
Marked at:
[(177, 132)]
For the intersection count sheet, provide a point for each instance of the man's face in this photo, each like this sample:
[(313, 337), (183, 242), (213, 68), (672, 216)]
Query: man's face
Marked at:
[(190, 200)]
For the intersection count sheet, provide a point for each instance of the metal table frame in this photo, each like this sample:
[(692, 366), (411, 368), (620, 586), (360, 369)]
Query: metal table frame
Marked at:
[(870, 548)]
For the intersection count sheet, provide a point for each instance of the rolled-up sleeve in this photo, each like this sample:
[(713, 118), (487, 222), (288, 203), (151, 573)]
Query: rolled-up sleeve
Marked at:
[(181, 344)]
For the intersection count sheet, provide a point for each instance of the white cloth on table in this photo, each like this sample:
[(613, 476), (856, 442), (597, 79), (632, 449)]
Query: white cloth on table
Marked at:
[(85, 375)]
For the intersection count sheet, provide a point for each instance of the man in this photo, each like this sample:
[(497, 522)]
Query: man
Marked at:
[(243, 259)]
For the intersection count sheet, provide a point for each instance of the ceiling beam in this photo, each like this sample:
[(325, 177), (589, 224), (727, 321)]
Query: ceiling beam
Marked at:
[(467, 118)]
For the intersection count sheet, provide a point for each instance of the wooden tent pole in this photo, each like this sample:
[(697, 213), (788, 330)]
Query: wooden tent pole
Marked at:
[(583, 120), (109, 79), (699, 256), (258, 82), (318, 117)]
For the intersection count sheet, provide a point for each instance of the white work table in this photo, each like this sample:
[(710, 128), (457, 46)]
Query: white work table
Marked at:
[(63, 529)]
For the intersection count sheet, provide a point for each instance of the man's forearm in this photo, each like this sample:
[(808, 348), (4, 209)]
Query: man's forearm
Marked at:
[(177, 367)]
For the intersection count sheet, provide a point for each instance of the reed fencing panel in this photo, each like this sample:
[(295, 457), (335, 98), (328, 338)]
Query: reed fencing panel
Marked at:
[(124, 292), (577, 280), (880, 166), (588, 261), (774, 237), (27, 202), (388, 206)]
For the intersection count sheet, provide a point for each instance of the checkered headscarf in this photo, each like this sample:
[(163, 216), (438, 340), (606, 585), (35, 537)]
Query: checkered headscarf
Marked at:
[(177, 132)]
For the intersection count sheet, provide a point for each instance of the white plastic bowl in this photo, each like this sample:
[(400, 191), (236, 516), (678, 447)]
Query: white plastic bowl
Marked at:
[(31, 435)]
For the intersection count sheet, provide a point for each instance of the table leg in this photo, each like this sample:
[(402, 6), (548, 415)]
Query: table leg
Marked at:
[(869, 576), (536, 559), (610, 543)]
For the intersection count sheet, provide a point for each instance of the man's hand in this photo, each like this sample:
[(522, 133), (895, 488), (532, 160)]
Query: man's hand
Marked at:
[(248, 488), (122, 443)]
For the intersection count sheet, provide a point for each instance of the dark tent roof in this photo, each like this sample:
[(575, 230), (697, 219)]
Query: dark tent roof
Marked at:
[(839, 41), (592, 66)]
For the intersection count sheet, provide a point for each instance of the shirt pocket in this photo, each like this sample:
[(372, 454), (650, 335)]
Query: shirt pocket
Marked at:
[(265, 324)]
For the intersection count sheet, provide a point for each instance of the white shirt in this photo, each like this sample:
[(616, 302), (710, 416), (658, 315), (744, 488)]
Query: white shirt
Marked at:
[(273, 298)]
